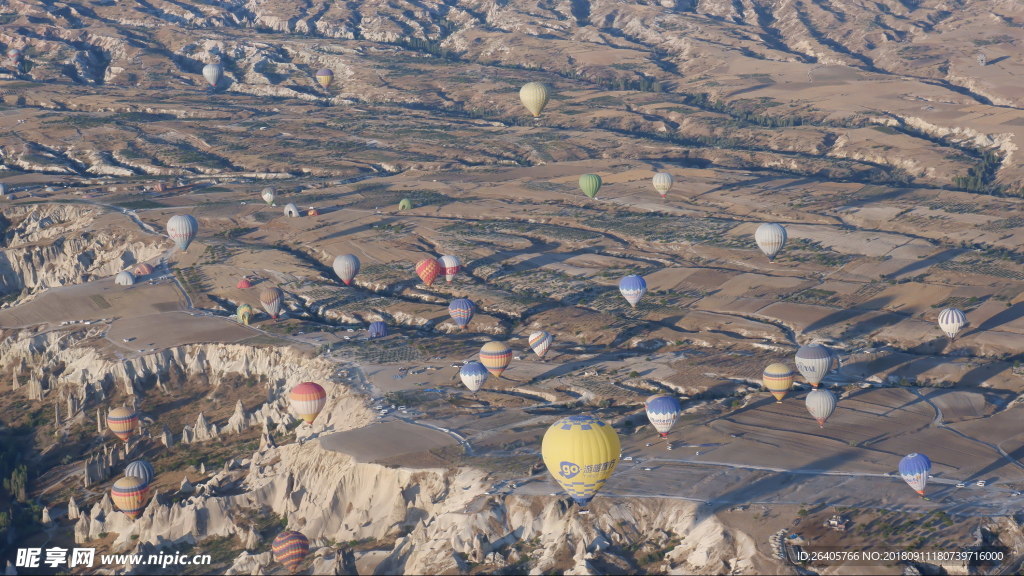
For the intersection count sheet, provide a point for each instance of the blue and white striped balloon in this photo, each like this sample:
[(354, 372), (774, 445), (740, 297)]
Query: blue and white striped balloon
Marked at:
[(633, 288), (473, 375)]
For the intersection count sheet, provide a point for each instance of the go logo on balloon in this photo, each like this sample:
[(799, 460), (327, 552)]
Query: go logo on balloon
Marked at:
[(568, 470)]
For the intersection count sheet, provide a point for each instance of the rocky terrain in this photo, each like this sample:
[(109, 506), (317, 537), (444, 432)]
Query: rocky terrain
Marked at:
[(884, 135)]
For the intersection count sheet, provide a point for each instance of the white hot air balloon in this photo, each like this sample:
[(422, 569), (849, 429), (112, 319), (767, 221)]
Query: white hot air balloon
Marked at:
[(212, 73), (182, 228), (770, 238), (821, 404), (268, 196), (534, 96), (814, 362), (662, 183), (951, 321)]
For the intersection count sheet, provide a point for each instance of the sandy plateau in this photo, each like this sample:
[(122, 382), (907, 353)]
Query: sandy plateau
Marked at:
[(884, 137)]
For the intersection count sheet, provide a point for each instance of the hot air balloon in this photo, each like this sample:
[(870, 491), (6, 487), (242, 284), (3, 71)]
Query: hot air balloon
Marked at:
[(495, 356), (473, 375), (770, 239), (346, 267), (182, 228), (461, 310), (143, 269), (3, 190), (428, 269), (268, 195), (540, 341), (324, 76), (14, 54), (129, 495), (405, 204), (271, 298), (291, 210), (633, 288), (914, 469), (290, 549), (243, 284), (813, 362), (377, 329), (122, 422), (534, 95), (778, 379), (662, 183), (662, 411), (590, 184), (124, 278), (244, 313), (821, 403), (312, 212), (581, 453), (308, 399), (450, 265), (142, 470), (212, 73), (951, 321)]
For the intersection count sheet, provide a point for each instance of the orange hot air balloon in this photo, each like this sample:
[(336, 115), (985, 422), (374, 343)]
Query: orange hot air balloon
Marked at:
[(308, 399), (244, 284), (428, 269), (129, 495), (495, 356), (122, 422)]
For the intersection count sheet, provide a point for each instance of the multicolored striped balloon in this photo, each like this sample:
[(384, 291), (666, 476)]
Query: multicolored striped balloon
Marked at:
[(461, 310), (540, 341), (290, 549), (495, 356), (778, 379), (308, 399), (428, 269), (129, 495), (122, 422)]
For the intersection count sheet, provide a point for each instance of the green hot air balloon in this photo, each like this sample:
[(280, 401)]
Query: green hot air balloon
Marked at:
[(405, 204), (590, 184)]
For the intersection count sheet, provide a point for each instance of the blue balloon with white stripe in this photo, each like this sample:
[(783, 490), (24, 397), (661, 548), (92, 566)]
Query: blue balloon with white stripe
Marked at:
[(633, 288)]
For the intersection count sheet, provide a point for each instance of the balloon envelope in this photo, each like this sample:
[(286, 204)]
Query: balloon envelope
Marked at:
[(633, 288), (307, 400), (143, 269), (129, 495), (142, 470), (182, 228), (405, 204), (450, 265), (914, 469), (495, 356), (662, 182), (346, 267), (580, 452), (662, 411), (271, 298), (770, 238), (268, 195), (122, 422), (244, 314), (813, 362), (290, 548), (590, 184), (473, 375), (821, 403), (377, 329), (540, 341), (428, 269), (324, 76), (124, 278), (534, 95), (951, 321), (212, 73), (461, 311), (778, 379)]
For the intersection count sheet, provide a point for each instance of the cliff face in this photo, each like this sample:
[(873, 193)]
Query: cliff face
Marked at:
[(56, 245)]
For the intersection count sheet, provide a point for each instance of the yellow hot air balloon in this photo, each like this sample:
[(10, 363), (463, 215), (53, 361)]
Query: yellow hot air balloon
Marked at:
[(534, 96), (581, 453), (129, 494), (495, 356), (778, 379)]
